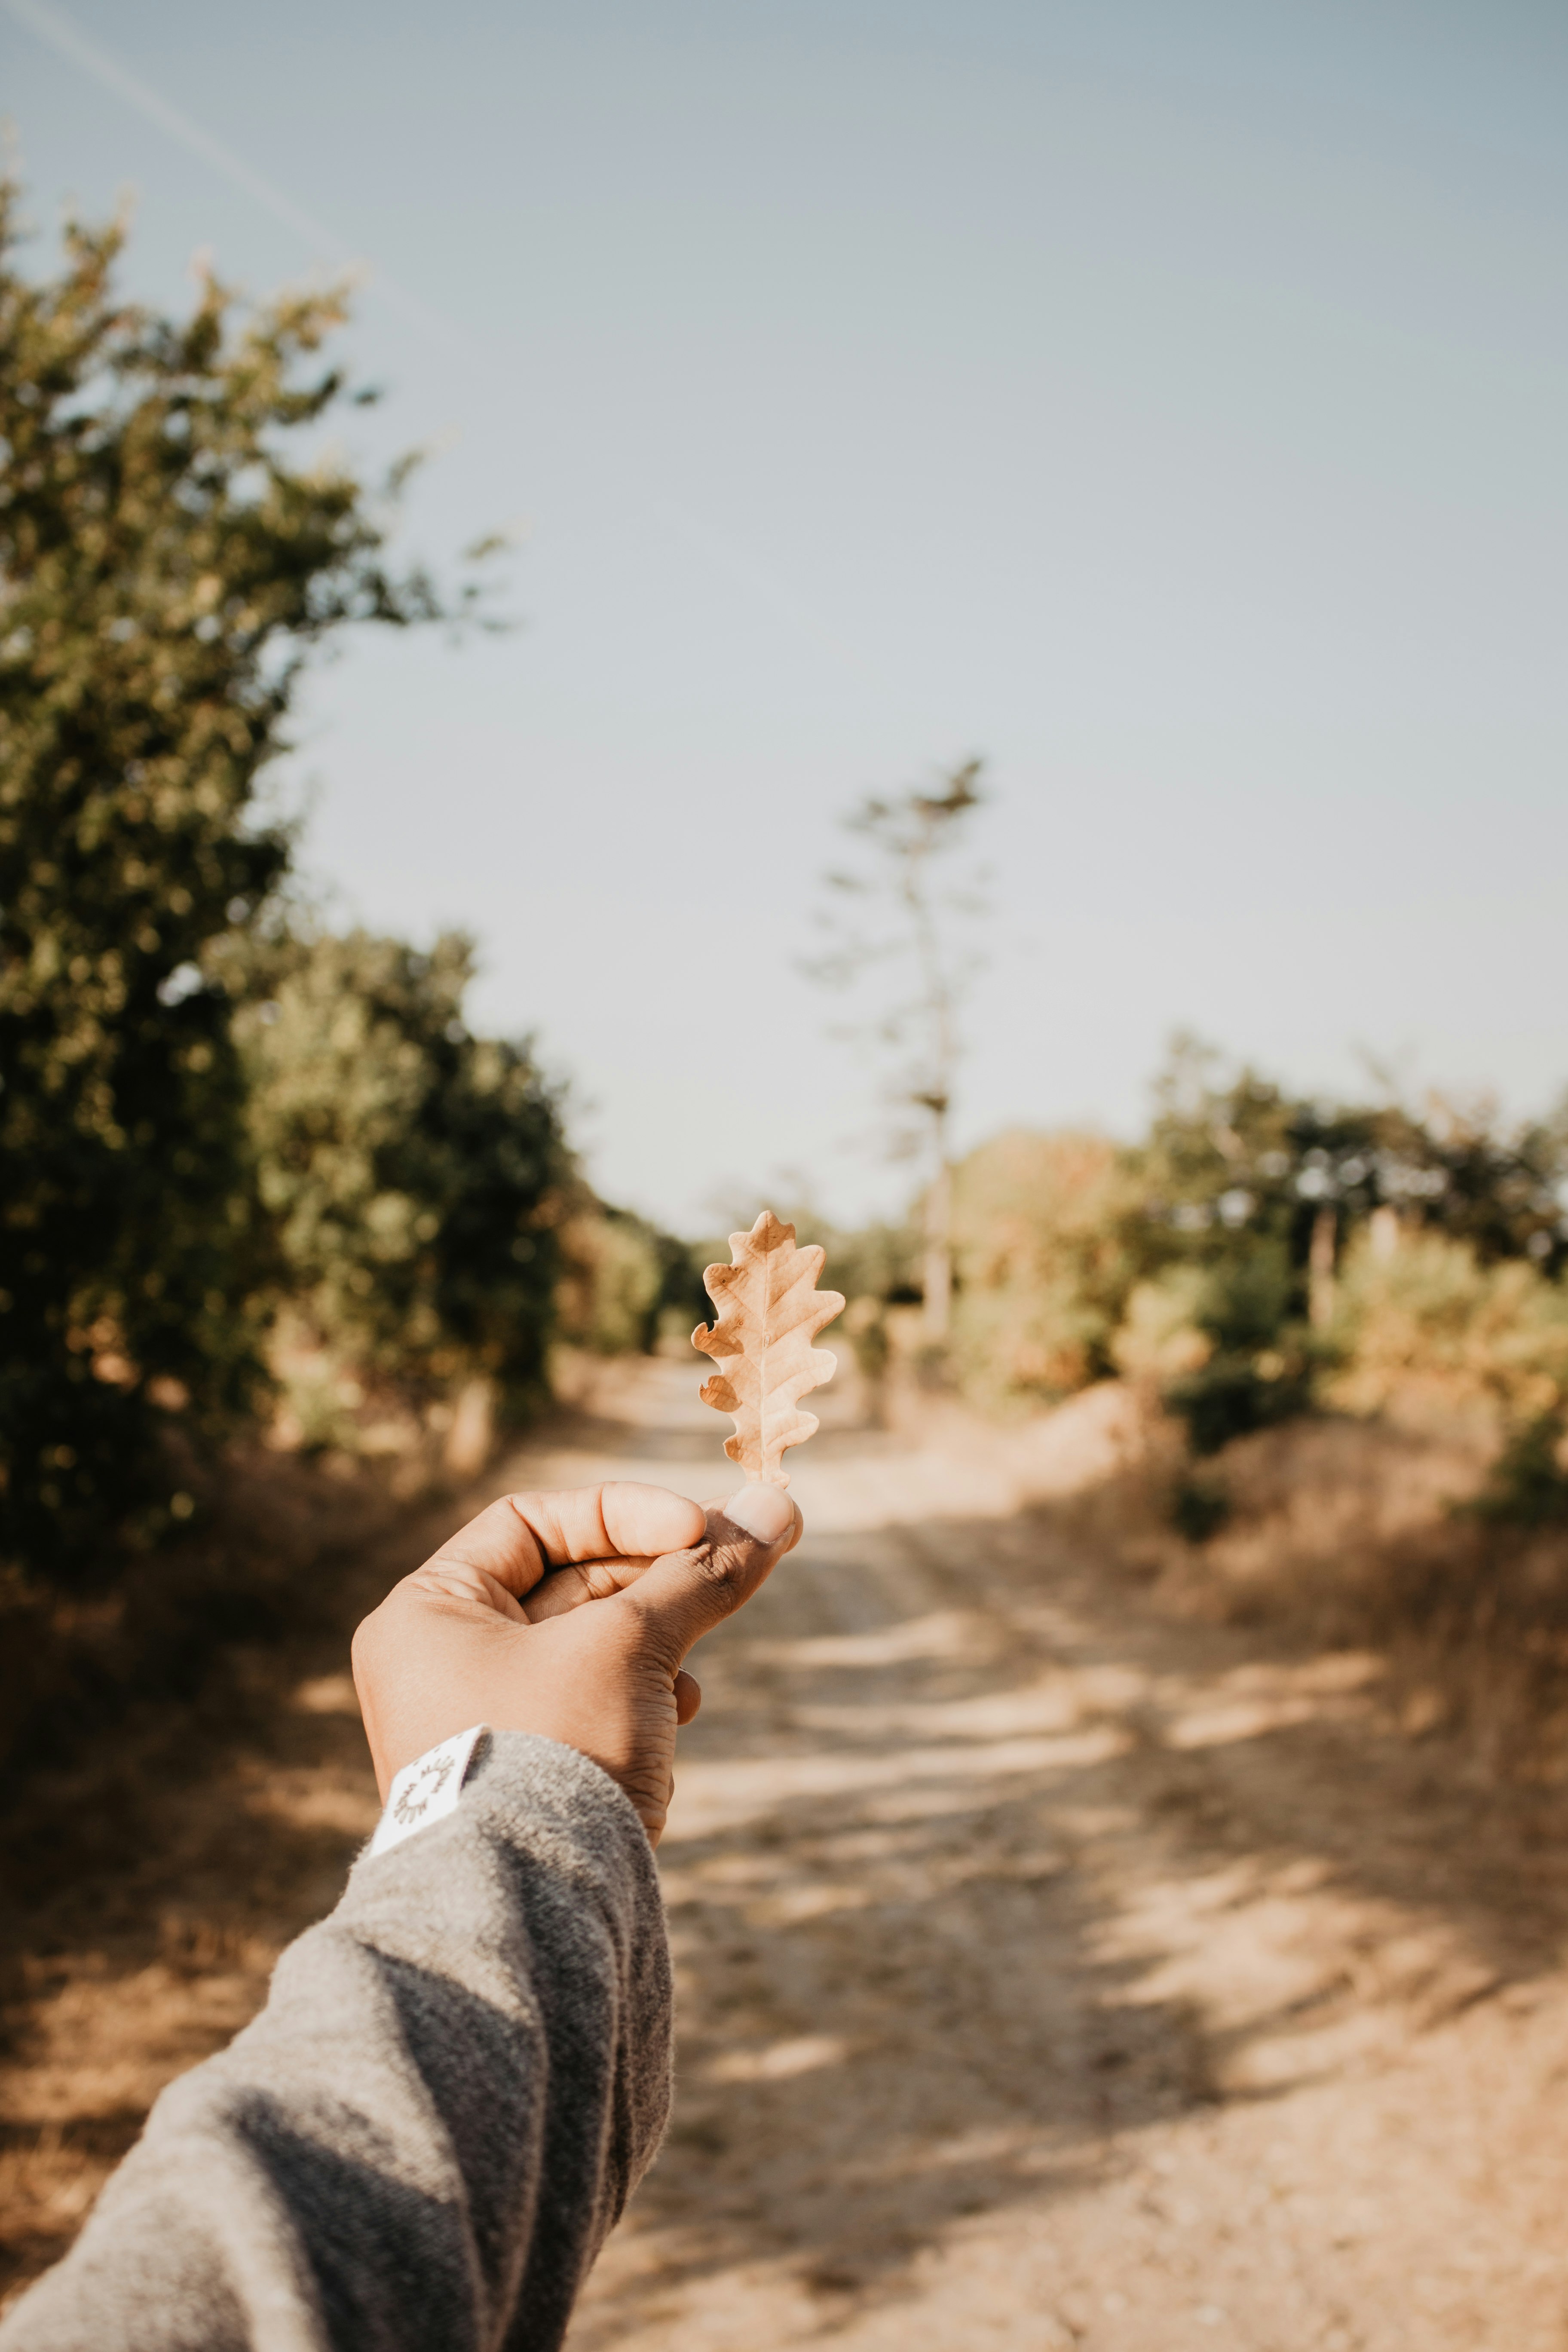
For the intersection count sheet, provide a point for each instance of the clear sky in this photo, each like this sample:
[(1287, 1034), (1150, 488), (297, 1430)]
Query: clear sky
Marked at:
[(1164, 398)]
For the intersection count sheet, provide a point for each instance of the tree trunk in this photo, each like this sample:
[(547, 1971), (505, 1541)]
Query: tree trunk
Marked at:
[(472, 1433), (939, 1254), (1383, 1231), (1321, 1268)]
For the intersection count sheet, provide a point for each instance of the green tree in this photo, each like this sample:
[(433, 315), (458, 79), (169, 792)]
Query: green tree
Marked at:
[(415, 1176), (1234, 1155), (165, 565), (616, 1270), (1261, 1193)]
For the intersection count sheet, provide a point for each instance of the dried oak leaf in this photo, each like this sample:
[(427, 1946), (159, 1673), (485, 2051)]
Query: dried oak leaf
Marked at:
[(770, 1310)]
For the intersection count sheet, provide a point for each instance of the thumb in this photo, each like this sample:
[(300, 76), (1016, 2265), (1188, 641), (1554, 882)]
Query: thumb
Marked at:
[(687, 1593)]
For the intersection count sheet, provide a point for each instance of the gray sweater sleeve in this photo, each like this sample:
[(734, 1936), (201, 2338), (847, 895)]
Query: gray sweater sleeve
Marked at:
[(422, 2141)]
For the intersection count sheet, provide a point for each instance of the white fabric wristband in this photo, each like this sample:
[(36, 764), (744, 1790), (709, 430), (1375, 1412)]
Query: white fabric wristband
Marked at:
[(425, 1790)]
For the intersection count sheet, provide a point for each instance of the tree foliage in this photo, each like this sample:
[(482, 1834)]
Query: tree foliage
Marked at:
[(1258, 1250), (1268, 1196), (165, 564), (413, 1174), (1234, 1153), (619, 1273)]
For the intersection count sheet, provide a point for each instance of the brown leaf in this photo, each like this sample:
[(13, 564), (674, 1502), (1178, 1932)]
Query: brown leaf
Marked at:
[(770, 1310)]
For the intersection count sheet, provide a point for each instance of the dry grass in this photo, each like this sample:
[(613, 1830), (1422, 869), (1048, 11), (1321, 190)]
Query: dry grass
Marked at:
[(191, 1790), (269, 1527), (1347, 1534)]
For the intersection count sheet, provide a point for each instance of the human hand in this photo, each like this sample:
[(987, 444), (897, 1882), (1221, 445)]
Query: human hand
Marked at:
[(568, 1615)]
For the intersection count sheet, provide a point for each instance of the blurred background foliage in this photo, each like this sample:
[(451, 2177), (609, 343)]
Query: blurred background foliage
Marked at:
[(621, 1280), (1043, 1266), (1258, 1254), (163, 568), (412, 1177)]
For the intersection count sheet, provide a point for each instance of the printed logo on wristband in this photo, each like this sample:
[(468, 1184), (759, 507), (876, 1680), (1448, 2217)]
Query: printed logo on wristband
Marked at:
[(425, 1790)]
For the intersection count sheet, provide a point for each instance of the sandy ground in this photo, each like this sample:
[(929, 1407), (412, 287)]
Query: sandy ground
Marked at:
[(1053, 1971)]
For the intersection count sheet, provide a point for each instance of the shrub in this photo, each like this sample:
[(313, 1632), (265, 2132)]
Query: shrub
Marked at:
[(613, 1281), (415, 1175), (1220, 1343), (1526, 1486), (1429, 1309), (1159, 1339), (1199, 1508), (1042, 1270)]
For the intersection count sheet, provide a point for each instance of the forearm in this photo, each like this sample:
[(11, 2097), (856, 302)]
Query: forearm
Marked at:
[(422, 2141)]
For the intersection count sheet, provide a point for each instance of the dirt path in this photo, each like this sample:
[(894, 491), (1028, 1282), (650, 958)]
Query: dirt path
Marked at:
[(1051, 1973)]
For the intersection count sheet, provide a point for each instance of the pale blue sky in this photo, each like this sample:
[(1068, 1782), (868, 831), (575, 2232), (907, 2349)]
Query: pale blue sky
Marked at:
[(1162, 397)]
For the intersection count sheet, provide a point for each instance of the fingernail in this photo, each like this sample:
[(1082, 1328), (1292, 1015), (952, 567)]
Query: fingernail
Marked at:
[(763, 1511)]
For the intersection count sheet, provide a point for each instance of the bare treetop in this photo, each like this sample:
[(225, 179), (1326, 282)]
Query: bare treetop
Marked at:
[(897, 918)]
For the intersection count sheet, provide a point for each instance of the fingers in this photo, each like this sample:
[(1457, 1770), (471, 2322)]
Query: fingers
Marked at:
[(686, 1594), (589, 1579), (517, 1539), (720, 1508), (688, 1696), (600, 1579)]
